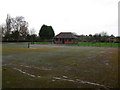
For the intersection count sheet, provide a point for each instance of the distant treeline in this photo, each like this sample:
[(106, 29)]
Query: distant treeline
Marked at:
[(16, 30), (101, 37)]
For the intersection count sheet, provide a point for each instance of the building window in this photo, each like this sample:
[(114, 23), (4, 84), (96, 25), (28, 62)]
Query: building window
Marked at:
[(60, 39), (69, 39), (56, 39)]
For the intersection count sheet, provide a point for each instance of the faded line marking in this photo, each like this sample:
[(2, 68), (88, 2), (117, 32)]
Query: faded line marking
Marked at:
[(43, 68), (8, 64), (83, 82), (86, 82), (25, 72), (64, 76)]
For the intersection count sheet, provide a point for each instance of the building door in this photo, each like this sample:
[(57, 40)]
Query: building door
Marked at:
[(63, 41)]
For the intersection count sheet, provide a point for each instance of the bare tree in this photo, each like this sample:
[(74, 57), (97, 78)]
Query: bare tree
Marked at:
[(8, 24), (8, 27), (33, 35), (32, 31), (3, 30), (0, 32), (103, 33), (20, 25), (104, 36)]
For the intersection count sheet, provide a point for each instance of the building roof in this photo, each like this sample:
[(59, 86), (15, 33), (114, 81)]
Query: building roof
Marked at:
[(65, 35)]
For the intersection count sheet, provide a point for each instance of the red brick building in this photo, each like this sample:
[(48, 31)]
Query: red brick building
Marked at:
[(65, 38)]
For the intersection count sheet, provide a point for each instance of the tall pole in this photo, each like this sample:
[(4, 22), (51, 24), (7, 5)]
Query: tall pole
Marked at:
[(28, 45)]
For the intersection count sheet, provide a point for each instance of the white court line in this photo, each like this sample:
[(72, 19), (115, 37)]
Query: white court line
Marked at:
[(83, 82), (24, 72)]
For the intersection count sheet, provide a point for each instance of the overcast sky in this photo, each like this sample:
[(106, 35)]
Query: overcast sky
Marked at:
[(79, 16)]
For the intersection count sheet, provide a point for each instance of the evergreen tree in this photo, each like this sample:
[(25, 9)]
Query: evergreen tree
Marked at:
[(46, 32)]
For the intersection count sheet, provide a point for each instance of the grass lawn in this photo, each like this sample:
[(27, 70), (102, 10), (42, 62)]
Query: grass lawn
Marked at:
[(43, 42), (98, 44), (43, 66), (86, 44)]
